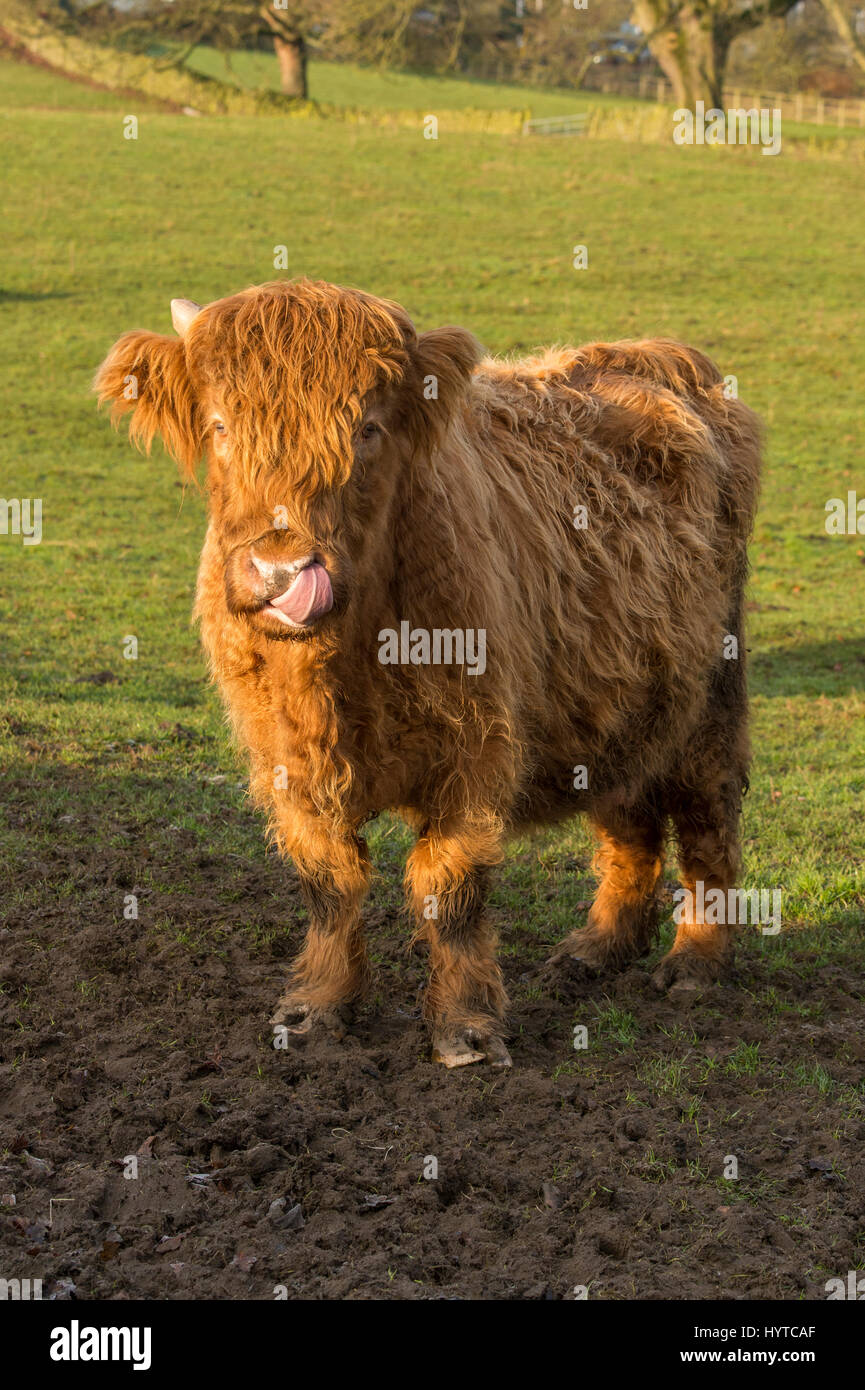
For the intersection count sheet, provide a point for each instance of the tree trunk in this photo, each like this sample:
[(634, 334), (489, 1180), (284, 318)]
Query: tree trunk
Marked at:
[(291, 56), (846, 33), (692, 55)]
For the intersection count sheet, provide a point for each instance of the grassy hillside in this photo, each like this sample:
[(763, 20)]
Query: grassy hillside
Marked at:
[(27, 86), (346, 84), (102, 231)]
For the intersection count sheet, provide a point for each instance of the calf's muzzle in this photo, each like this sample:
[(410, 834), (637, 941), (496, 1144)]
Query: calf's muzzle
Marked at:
[(294, 593)]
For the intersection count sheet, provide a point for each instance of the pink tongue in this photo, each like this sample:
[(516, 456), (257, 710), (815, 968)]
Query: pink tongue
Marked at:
[(309, 596)]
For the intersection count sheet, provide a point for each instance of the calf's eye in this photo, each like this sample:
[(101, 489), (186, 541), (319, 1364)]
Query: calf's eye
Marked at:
[(370, 430)]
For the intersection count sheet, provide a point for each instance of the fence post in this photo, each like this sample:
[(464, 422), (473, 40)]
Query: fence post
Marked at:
[(842, 113), (661, 86), (800, 104), (821, 111)]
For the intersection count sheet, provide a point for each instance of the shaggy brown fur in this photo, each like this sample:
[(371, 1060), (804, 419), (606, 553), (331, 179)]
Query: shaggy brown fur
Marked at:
[(438, 488)]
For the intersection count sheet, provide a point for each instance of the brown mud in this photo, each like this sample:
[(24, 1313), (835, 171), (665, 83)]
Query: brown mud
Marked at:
[(306, 1169)]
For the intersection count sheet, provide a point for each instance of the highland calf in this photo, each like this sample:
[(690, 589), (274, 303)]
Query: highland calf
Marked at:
[(586, 510)]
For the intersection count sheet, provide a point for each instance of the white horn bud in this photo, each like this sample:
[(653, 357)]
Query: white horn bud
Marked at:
[(183, 311)]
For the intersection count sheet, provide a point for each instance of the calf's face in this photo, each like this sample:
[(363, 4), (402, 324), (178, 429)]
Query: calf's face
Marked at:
[(309, 403)]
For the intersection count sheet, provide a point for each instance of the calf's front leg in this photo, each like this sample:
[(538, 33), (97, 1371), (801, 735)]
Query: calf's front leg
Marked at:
[(465, 999), (332, 969)]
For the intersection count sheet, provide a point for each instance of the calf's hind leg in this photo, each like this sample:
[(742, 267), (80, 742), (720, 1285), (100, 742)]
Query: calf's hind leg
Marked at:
[(465, 999), (705, 802), (707, 828), (623, 919)]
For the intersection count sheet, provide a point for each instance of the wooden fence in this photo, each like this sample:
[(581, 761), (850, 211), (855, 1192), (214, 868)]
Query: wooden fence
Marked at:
[(800, 106)]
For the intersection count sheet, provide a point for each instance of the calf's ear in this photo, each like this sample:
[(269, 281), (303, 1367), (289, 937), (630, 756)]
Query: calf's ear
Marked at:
[(145, 375), (443, 360)]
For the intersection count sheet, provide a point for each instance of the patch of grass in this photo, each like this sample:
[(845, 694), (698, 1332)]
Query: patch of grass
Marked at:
[(813, 1073), (758, 1190), (745, 1060), (665, 1075), (613, 1027)]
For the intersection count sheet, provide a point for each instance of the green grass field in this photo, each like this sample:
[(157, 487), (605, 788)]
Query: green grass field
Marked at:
[(755, 260)]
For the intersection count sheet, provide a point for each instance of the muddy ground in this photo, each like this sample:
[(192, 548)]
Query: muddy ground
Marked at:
[(601, 1169)]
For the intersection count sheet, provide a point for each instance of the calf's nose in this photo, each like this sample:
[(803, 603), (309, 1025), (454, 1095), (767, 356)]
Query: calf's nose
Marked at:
[(269, 577)]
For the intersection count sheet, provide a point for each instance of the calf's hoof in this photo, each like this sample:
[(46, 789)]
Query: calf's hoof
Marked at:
[(584, 954), (685, 975), (459, 1047), (301, 1019)]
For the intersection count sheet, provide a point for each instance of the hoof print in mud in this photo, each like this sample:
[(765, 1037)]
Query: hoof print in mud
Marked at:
[(573, 968)]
